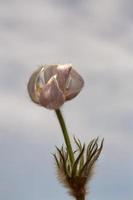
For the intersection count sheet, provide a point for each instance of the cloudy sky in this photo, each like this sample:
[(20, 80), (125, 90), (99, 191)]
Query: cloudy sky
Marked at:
[(97, 37)]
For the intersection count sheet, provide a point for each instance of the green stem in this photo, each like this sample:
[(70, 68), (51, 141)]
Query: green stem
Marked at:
[(66, 136)]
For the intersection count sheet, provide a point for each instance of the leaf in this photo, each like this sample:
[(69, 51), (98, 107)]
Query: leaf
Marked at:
[(74, 169)]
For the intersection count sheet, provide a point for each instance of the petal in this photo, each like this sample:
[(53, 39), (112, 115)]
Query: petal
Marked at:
[(63, 72), (74, 86), (50, 70), (51, 96), (32, 85)]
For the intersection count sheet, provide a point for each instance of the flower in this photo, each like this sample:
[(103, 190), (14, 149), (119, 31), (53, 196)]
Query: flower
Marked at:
[(51, 85)]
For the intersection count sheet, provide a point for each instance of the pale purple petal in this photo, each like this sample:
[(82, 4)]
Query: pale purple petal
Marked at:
[(63, 72), (31, 85), (51, 96), (50, 70), (74, 85)]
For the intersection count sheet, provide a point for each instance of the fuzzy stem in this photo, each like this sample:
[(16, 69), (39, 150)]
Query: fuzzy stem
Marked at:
[(66, 136), (80, 198)]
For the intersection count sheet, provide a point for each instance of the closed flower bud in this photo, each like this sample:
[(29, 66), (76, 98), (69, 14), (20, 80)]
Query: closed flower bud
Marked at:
[(52, 85)]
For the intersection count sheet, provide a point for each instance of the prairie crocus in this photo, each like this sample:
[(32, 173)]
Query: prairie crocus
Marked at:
[(51, 85)]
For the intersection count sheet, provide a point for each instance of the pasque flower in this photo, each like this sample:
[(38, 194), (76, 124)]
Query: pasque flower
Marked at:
[(52, 85)]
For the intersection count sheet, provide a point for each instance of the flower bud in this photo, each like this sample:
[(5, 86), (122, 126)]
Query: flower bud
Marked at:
[(52, 85)]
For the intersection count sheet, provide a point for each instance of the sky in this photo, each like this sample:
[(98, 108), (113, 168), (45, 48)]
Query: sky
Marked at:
[(97, 38)]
